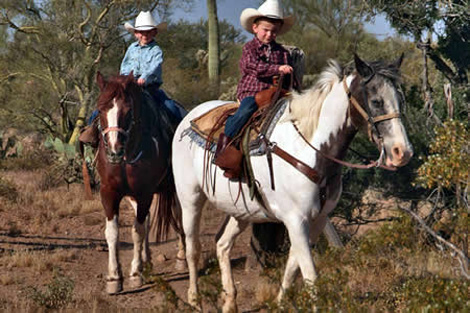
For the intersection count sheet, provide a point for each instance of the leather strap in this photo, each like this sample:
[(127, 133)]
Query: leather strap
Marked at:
[(348, 164), (371, 121), (299, 165)]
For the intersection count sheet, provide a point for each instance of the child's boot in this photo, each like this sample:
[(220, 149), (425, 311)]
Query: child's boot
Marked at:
[(227, 157), (90, 135)]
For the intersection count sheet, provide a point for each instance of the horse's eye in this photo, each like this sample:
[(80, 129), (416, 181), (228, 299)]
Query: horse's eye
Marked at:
[(376, 102)]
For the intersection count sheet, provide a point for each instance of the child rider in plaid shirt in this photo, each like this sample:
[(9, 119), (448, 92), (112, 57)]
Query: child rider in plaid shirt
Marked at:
[(262, 59)]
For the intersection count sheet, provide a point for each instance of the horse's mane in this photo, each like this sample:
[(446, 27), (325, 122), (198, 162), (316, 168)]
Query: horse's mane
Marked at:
[(390, 72), (115, 88), (305, 107)]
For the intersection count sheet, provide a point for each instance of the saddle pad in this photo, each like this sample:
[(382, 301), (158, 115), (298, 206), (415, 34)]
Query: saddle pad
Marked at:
[(203, 124)]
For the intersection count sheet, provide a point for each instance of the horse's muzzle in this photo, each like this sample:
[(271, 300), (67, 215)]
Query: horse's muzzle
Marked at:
[(400, 155), (115, 157)]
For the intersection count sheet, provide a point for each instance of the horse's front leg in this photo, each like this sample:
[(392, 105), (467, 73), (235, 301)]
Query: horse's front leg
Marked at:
[(139, 234), (290, 273), (110, 201), (332, 194), (300, 254), (146, 254)]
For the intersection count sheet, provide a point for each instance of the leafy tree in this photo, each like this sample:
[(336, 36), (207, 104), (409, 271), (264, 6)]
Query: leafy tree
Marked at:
[(185, 68), (57, 47), (419, 18), (325, 29), (448, 165)]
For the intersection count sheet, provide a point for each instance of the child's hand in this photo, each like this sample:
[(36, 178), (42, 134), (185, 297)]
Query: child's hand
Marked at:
[(286, 69), (140, 81)]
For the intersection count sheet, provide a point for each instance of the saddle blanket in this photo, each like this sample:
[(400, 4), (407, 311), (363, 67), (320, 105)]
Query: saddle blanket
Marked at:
[(201, 127)]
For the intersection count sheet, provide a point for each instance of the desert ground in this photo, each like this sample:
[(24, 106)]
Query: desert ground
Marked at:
[(53, 255)]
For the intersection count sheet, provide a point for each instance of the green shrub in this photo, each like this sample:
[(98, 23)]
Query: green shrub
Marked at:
[(433, 294), (396, 235), (28, 161), (57, 294)]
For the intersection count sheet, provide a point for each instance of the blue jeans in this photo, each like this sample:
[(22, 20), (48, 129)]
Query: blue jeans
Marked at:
[(236, 122), (93, 115), (161, 97)]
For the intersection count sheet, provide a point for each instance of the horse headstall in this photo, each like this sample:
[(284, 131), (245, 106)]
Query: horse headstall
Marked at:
[(372, 121)]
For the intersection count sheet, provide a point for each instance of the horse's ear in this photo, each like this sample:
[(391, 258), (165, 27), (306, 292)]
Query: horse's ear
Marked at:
[(362, 67), (130, 77), (397, 62), (100, 80)]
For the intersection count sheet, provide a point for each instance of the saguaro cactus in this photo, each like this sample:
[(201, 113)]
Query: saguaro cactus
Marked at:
[(214, 43)]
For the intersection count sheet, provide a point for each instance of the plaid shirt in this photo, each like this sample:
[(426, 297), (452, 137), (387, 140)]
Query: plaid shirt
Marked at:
[(258, 65)]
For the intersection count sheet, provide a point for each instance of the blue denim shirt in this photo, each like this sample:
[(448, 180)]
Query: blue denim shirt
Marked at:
[(145, 62)]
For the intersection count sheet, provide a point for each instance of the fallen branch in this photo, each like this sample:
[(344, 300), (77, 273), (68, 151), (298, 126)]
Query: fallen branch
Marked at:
[(461, 256)]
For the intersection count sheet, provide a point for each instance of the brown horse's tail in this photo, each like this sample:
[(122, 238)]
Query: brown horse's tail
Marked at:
[(166, 212)]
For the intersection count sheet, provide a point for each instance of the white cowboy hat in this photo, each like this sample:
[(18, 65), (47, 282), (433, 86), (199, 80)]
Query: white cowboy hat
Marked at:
[(143, 22), (270, 9)]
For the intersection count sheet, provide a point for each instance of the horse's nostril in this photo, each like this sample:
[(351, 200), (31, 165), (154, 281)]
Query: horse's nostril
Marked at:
[(397, 152)]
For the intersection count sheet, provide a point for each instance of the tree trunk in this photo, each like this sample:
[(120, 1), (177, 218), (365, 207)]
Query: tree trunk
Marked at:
[(80, 122), (427, 90), (214, 44)]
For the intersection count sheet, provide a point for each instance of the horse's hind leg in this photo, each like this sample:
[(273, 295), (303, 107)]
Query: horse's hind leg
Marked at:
[(230, 232), (191, 205), (181, 255)]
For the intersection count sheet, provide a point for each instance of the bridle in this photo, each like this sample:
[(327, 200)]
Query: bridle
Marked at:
[(310, 172), (119, 130), (365, 113)]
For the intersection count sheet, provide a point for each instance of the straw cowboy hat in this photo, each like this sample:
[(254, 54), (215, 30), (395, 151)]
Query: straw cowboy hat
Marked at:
[(270, 9), (143, 22)]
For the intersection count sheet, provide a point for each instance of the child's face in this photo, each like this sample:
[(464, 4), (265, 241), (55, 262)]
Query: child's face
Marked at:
[(145, 36), (266, 31)]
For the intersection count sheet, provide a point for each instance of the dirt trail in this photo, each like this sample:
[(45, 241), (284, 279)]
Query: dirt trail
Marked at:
[(37, 240)]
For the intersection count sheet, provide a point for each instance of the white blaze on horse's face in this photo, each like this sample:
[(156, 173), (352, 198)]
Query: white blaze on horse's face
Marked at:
[(112, 117), (396, 143)]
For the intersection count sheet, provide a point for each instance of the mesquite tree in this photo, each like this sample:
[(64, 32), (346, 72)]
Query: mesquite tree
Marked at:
[(57, 48)]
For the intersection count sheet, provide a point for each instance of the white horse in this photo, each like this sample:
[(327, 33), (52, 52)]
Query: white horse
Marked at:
[(315, 130)]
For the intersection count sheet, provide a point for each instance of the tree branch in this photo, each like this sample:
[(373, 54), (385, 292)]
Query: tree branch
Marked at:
[(22, 29), (461, 256)]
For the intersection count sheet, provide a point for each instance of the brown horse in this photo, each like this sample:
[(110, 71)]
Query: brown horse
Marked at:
[(133, 161)]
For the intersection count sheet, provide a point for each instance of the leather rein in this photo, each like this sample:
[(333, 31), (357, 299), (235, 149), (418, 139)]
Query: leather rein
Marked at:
[(310, 172)]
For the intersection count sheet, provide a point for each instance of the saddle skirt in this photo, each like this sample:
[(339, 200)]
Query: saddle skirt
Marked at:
[(202, 127)]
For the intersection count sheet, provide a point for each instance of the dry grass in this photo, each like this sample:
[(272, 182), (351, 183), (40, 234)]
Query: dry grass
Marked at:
[(38, 261), (47, 205), (389, 267), (265, 291), (9, 279)]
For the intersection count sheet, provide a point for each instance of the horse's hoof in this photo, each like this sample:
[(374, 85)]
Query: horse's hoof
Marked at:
[(113, 286), (230, 307), (136, 281), (193, 300), (181, 264)]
